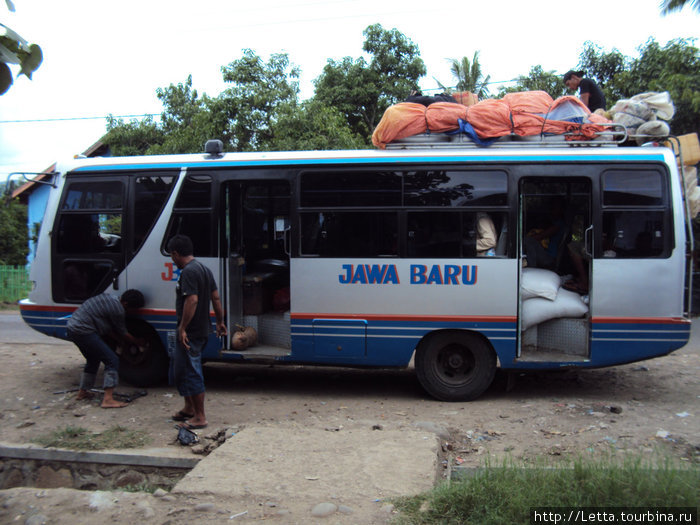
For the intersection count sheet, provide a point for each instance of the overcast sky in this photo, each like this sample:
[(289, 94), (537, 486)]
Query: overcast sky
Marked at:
[(104, 58)]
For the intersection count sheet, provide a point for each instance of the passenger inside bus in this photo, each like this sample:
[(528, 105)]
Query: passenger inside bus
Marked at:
[(542, 244), (486, 236)]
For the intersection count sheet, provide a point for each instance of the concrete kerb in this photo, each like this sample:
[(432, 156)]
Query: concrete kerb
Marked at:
[(291, 461)]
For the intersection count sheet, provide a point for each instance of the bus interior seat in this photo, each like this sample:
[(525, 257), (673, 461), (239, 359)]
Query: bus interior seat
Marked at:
[(502, 244)]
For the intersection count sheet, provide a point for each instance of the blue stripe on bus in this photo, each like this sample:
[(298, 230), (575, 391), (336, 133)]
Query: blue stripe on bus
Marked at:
[(364, 160), (391, 342)]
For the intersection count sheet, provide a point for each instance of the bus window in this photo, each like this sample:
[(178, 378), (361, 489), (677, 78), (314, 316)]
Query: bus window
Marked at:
[(454, 234), (192, 215), (455, 188), (635, 218), (87, 239), (350, 188), (89, 233), (349, 234), (150, 194), (93, 195)]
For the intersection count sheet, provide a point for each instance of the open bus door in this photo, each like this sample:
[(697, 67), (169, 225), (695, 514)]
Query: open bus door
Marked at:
[(556, 232), (257, 264)]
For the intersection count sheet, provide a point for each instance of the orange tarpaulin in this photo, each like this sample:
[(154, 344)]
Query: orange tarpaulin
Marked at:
[(526, 113), (399, 121), (490, 118), (444, 116)]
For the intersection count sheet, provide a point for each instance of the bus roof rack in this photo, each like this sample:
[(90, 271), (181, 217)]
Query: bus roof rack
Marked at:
[(613, 135)]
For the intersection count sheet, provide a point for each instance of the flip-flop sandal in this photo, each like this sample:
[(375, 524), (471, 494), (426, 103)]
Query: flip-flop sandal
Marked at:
[(181, 416), (190, 426)]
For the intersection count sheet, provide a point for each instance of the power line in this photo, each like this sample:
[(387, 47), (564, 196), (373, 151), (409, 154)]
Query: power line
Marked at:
[(77, 118)]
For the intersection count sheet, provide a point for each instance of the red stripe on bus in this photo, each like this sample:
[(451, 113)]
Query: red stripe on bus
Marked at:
[(382, 317), (40, 308), (641, 320)]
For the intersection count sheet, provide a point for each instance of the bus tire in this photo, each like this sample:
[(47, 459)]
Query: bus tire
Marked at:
[(455, 366), (147, 366)]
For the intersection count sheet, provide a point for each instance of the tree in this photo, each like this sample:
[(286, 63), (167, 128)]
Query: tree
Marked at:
[(674, 68), (16, 50), (135, 137), (313, 126), (186, 121), (14, 245), (259, 94), (669, 6), (469, 76), (538, 80), (603, 67), (362, 90)]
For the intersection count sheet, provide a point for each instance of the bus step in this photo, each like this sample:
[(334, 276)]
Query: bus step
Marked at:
[(259, 352)]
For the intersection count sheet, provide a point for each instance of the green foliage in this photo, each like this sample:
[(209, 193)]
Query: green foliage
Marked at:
[(132, 138), (14, 239), (674, 68), (506, 494), (259, 93), (538, 80), (363, 90), (603, 68), (469, 77), (16, 50), (669, 6), (78, 438), (313, 126)]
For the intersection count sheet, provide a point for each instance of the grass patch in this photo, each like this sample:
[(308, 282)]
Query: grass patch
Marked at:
[(506, 493), (77, 438)]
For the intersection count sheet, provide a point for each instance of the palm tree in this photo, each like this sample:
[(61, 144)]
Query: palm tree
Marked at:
[(668, 6), (469, 77)]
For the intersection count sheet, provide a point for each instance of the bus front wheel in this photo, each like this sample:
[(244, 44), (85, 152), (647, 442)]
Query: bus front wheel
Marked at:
[(455, 366), (145, 366)]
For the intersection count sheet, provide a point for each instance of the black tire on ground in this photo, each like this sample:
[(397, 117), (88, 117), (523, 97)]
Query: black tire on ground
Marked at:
[(143, 368), (455, 366)]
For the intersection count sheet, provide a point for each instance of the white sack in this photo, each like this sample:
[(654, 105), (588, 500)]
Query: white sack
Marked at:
[(537, 310), (660, 103), (538, 282)]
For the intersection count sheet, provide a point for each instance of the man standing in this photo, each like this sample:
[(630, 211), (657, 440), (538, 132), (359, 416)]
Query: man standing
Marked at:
[(98, 317), (195, 289)]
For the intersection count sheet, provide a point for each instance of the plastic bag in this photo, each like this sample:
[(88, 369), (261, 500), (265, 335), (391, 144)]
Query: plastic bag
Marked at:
[(659, 103), (185, 436), (631, 113)]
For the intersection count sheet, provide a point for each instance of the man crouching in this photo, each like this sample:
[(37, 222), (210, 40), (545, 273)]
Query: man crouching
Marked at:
[(97, 318)]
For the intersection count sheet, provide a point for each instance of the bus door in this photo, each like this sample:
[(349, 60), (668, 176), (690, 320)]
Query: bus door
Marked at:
[(556, 233), (258, 241), (86, 240)]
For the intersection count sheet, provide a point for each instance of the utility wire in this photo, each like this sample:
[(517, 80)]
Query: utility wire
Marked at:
[(77, 118)]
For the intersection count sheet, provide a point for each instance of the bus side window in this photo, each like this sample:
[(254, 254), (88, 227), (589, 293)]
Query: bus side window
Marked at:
[(150, 194), (635, 215), (192, 215)]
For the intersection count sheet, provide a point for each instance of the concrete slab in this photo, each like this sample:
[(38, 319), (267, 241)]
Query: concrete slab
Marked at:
[(289, 461)]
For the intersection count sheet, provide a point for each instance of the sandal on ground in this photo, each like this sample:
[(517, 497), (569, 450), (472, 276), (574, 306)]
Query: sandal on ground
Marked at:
[(181, 416)]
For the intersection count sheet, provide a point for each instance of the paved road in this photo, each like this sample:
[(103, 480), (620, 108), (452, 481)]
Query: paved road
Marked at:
[(14, 330)]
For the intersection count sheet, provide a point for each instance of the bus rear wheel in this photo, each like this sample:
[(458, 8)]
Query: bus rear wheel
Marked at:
[(146, 366), (454, 366)]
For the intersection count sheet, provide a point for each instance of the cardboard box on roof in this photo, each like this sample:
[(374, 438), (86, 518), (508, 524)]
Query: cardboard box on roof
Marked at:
[(690, 148)]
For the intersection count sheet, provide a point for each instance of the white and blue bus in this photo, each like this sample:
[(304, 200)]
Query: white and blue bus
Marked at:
[(369, 258)]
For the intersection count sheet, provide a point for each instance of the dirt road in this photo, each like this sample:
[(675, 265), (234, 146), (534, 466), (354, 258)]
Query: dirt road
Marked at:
[(653, 405)]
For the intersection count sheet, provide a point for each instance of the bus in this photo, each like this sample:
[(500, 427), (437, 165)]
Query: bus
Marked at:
[(370, 258)]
